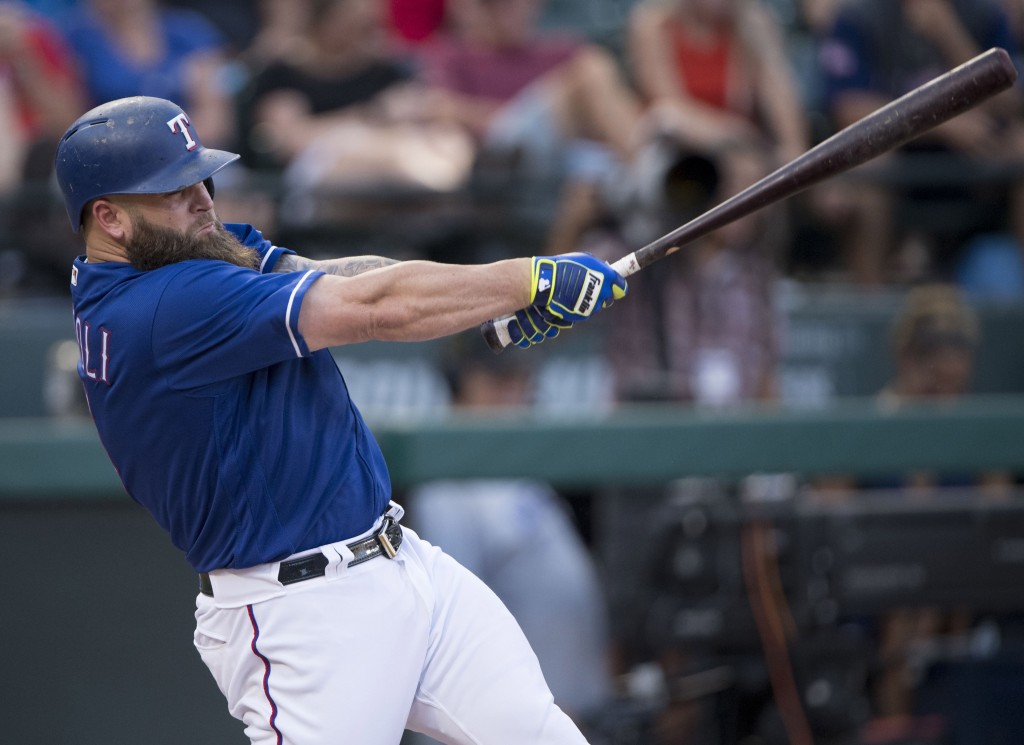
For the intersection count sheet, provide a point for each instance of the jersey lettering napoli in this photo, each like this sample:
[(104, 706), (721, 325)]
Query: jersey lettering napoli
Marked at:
[(190, 372)]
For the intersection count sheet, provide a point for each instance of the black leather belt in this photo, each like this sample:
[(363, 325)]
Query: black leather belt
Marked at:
[(384, 542)]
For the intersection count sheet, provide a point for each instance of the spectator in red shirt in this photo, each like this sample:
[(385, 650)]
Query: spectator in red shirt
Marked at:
[(40, 95), (717, 70), (40, 92), (715, 77)]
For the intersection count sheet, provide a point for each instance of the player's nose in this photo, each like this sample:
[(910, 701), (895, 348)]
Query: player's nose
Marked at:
[(201, 197)]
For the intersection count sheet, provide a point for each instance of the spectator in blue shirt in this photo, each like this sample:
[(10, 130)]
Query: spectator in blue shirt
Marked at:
[(139, 48), (878, 50)]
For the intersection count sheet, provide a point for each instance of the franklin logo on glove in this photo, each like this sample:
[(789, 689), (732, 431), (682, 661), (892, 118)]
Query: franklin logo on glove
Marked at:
[(594, 282)]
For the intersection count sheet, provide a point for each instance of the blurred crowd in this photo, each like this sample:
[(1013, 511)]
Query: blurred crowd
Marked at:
[(469, 130), (598, 125)]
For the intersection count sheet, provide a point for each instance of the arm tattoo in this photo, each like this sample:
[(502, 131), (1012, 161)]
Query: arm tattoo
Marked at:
[(350, 267), (345, 267)]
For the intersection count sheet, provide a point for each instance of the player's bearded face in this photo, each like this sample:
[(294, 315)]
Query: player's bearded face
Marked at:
[(152, 246)]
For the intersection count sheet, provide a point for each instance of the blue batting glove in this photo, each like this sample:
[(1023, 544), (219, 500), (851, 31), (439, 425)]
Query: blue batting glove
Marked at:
[(571, 287), (532, 325)]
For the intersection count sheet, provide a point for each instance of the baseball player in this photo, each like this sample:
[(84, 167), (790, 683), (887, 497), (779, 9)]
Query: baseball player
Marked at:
[(205, 363)]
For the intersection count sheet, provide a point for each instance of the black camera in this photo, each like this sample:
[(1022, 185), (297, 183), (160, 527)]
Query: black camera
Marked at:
[(665, 186)]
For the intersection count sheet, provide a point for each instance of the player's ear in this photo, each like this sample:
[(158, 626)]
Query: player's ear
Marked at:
[(108, 217)]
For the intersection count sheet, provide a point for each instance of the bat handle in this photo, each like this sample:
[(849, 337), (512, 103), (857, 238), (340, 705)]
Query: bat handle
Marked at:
[(495, 332)]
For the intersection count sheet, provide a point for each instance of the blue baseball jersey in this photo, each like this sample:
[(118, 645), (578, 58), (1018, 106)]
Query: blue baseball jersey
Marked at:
[(242, 444)]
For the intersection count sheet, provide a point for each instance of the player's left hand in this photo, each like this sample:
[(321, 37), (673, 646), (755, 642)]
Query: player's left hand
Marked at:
[(572, 287), (534, 324)]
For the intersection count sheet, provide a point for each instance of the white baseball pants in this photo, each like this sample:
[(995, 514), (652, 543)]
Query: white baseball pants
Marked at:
[(365, 652)]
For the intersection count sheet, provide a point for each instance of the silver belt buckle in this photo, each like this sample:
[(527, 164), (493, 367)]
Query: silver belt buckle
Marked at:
[(384, 541)]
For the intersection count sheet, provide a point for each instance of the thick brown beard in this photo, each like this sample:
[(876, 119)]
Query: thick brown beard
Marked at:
[(152, 247)]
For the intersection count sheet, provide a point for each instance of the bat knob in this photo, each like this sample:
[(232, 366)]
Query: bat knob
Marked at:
[(492, 335)]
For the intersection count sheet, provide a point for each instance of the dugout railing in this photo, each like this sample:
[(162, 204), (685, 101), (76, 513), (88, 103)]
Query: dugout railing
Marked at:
[(632, 445)]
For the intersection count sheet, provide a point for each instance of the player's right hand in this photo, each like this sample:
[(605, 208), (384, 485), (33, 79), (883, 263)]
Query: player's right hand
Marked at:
[(532, 325), (572, 287)]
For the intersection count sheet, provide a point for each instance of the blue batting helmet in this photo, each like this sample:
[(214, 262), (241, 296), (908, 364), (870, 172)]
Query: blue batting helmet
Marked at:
[(138, 145)]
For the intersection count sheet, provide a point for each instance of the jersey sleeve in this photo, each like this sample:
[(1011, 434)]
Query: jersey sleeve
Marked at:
[(215, 321), (251, 237)]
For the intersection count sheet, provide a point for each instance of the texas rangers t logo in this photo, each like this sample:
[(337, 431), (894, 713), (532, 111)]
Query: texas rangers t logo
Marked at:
[(179, 124)]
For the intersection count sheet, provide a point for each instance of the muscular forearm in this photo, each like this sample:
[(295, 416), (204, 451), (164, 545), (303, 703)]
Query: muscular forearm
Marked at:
[(411, 301)]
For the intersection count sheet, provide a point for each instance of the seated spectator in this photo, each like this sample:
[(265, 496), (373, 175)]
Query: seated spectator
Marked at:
[(934, 342), (702, 329), (40, 94), (715, 78), (519, 537), (877, 51), (137, 47), (552, 105), (499, 76), (717, 73), (338, 110)]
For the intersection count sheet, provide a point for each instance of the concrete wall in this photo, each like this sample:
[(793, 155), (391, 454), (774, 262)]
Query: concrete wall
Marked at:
[(97, 632)]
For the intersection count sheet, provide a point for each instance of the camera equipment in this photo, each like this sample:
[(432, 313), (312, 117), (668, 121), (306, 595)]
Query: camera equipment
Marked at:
[(665, 186)]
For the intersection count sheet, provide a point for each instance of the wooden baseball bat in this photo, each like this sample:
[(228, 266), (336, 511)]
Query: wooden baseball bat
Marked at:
[(894, 124)]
